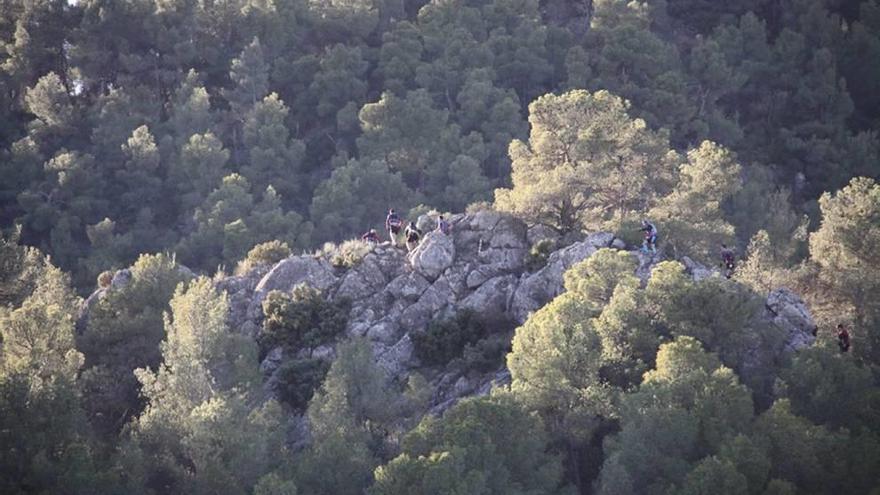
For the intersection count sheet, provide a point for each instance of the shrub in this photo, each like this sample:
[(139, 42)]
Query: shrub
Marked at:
[(104, 279), (539, 253), (629, 231), (347, 254), (298, 379), (301, 319), (417, 211), (445, 340), (488, 354), (267, 253)]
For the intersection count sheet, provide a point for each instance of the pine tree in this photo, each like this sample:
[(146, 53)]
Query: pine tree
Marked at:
[(250, 78), (691, 219), (587, 164), (274, 159), (203, 413)]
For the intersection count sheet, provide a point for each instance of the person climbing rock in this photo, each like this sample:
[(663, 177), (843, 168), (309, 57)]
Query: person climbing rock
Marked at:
[(443, 225), (413, 235), (650, 242), (371, 237), (842, 338), (727, 260), (393, 224)]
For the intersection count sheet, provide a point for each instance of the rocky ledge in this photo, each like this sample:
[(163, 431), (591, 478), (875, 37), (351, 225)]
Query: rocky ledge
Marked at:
[(481, 265)]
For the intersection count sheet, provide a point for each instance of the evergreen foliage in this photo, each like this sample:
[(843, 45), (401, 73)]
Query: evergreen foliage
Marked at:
[(303, 319), (229, 135)]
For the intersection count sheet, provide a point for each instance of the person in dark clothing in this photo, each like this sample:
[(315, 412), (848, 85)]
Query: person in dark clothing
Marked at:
[(727, 260), (443, 225), (413, 236), (650, 242), (842, 338), (393, 223), (371, 237)]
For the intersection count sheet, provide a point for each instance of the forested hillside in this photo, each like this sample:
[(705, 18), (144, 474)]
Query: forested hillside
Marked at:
[(163, 158)]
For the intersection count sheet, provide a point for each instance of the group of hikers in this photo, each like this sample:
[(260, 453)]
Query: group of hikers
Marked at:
[(728, 262), (394, 223), (649, 244), (412, 233)]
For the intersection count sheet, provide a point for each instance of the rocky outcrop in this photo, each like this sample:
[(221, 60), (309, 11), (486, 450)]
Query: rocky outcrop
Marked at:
[(433, 256), (289, 273), (481, 265), (789, 312), (537, 289)]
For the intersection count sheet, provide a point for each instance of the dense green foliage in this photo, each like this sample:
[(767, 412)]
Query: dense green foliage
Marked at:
[(301, 319), (464, 334), (186, 138), (208, 129)]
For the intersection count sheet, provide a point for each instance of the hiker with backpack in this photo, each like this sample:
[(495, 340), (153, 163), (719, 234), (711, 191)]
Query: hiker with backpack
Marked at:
[(393, 224), (650, 242), (413, 236)]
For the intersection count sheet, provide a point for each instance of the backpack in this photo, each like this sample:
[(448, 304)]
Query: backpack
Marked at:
[(394, 220)]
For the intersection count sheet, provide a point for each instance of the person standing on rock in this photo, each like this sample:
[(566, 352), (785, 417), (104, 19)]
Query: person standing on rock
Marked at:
[(393, 224), (413, 235), (443, 225), (842, 338)]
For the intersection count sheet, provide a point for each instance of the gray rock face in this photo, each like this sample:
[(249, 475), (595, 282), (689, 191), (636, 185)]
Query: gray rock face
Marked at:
[(537, 289), (696, 270), (539, 233), (365, 279), (120, 279), (409, 286), (289, 273), (479, 266), (493, 297), (434, 255), (789, 312)]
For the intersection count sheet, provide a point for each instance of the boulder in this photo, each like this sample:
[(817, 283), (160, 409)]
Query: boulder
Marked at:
[(435, 298), (696, 270), (272, 361), (397, 359), (537, 289), (120, 279), (409, 286), (647, 261), (363, 280), (600, 240), (386, 331), (539, 233), (509, 233), (434, 255), (289, 273), (492, 297), (485, 220)]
